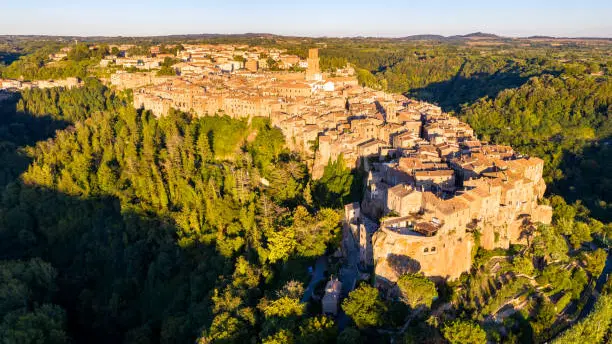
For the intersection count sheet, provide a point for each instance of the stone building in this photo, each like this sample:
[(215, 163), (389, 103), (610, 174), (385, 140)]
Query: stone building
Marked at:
[(331, 299), (251, 65), (292, 90), (124, 80)]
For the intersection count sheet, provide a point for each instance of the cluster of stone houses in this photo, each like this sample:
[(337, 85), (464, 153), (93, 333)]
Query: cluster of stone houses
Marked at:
[(205, 89), (125, 60), (9, 84), (208, 58), (430, 180), (440, 188)]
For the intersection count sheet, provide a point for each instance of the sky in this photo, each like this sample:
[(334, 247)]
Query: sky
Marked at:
[(340, 18)]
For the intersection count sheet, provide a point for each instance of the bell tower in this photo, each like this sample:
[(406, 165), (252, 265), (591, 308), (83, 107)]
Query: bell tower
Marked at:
[(313, 72)]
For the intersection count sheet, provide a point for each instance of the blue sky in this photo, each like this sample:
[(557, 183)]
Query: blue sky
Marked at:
[(308, 18)]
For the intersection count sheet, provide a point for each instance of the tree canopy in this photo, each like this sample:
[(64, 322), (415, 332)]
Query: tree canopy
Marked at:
[(364, 306), (417, 290), (464, 332), (148, 222)]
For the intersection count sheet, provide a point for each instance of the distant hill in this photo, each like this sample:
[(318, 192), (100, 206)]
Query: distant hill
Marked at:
[(540, 37), (470, 36), (424, 38), (481, 35), (269, 36)]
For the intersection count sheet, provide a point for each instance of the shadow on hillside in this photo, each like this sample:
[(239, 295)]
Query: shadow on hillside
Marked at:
[(453, 93), (121, 274), (122, 277), (586, 177), (18, 130), (7, 58)]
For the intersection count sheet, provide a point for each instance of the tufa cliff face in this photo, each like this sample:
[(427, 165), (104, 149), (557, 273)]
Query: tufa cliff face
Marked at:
[(445, 255), (432, 231)]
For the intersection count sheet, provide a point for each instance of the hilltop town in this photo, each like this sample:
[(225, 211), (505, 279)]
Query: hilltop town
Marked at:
[(298, 190), (432, 186), (430, 180)]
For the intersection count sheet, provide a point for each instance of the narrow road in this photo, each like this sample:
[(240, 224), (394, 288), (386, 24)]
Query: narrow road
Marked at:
[(317, 275)]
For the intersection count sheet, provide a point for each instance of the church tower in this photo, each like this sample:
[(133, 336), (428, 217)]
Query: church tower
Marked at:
[(313, 72)]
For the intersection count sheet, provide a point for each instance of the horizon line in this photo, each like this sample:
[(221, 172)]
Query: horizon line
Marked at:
[(468, 35)]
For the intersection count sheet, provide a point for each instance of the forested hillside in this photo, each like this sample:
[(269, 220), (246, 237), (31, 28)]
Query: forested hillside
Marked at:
[(152, 230)]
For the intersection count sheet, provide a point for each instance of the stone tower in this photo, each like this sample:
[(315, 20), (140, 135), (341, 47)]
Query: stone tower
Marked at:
[(313, 72)]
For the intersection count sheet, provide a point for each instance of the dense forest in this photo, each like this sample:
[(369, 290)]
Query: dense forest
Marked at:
[(116, 226), (153, 229)]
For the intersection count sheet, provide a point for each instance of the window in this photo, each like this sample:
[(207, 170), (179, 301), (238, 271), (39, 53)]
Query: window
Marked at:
[(426, 250), (433, 249)]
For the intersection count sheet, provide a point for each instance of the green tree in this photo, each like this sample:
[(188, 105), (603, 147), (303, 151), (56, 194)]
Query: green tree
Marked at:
[(523, 265), (284, 307), (226, 329), (545, 318), (464, 332), (364, 306), (550, 245), (580, 234), (334, 187), (349, 335), (595, 262), (26, 314), (281, 245), (44, 324), (79, 52), (166, 71), (366, 78), (319, 330), (280, 337), (579, 281), (417, 290), (557, 276)]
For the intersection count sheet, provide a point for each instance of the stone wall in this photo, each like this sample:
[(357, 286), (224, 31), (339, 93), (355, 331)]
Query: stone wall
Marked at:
[(444, 255)]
